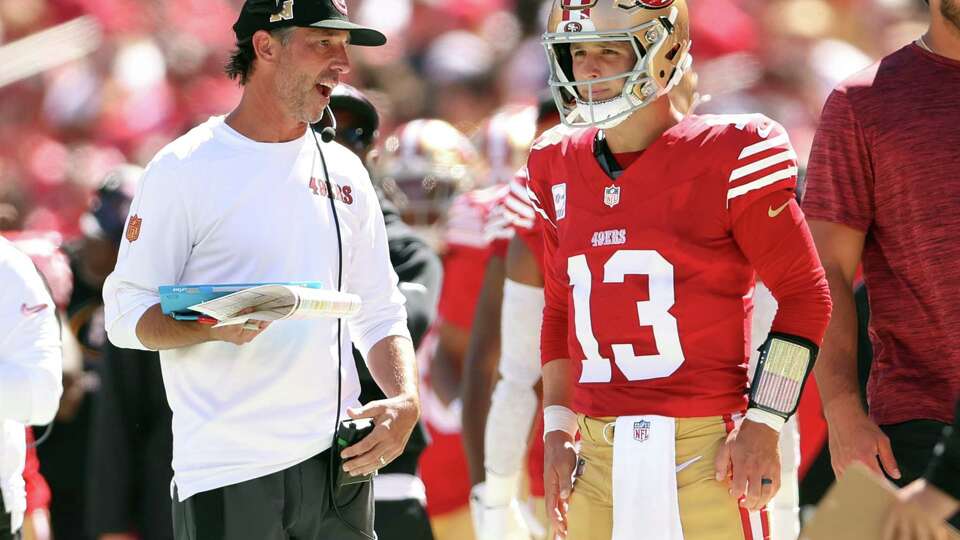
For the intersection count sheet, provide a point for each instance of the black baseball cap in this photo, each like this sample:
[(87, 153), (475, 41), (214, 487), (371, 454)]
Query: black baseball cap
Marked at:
[(273, 14)]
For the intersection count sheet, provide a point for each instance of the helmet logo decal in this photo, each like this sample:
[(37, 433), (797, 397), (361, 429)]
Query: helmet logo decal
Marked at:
[(573, 26), (648, 4), (575, 10)]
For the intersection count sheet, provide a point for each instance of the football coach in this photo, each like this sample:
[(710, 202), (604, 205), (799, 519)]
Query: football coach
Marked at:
[(252, 197)]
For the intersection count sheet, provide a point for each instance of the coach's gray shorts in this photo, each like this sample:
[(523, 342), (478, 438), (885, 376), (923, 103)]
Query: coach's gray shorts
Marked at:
[(287, 505)]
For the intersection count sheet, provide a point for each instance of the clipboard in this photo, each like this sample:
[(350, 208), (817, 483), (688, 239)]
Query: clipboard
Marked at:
[(176, 300), (856, 507)]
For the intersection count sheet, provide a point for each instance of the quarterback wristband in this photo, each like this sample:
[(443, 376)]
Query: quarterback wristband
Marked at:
[(559, 418), (782, 370)]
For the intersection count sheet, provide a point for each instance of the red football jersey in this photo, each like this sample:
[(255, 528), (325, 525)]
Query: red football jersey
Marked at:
[(649, 277), (469, 244)]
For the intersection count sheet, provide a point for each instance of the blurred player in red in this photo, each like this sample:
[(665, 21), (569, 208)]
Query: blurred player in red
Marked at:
[(427, 167), (512, 297), (656, 227)]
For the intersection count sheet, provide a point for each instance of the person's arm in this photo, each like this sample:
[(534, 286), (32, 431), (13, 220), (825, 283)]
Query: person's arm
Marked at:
[(393, 365), (839, 204), (157, 332), (773, 235), (480, 365), (379, 332), (852, 435), (446, 363), (31, 360), (560, 456), (515, 402)]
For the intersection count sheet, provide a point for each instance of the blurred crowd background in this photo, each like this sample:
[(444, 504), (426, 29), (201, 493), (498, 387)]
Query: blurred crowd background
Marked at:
[(87, 85)]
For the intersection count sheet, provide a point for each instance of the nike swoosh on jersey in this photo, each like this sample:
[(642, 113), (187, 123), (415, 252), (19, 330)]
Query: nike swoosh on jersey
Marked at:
[(688, 463), (32, 310), (774, 213)]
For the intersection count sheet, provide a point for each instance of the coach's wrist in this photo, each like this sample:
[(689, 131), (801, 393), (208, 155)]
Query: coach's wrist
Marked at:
[(843, 406), (411, 401)]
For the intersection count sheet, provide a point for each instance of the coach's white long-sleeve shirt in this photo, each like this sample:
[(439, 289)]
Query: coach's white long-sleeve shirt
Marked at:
[(31, 363), (217, 207)]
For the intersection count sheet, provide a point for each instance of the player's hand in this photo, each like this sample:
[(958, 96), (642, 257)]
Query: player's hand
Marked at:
[(559, 464), (496, 522), (750, 460), (919, 513), (394, 419), (238, 334), (854, 437)]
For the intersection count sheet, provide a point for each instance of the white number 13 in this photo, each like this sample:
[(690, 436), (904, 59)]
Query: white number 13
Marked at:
[(653, 312)]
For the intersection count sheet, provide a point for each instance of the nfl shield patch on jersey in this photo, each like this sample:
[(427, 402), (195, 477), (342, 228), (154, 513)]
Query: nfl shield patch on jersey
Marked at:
[(611, 196), (641, 430), (133, 228)]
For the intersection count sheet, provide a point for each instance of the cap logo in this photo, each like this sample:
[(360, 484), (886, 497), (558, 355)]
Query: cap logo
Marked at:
[(285, 14), (341, 6), (649, 4)]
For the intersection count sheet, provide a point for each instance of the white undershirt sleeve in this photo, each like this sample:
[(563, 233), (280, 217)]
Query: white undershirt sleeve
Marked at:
[(370, 275), (149, 257), (31, 358)]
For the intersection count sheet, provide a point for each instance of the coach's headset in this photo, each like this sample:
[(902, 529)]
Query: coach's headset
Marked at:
[(327, 135)]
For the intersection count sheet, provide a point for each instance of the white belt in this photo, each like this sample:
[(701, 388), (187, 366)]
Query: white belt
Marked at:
[(398, 487)]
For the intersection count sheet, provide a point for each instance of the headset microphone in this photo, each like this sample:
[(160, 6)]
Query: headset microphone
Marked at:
[(328, 133)]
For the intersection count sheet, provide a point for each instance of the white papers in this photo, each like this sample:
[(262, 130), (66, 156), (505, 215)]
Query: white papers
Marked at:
[(275, 302)]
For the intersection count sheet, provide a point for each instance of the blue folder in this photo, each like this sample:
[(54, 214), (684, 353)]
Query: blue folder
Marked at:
[(175, 300)]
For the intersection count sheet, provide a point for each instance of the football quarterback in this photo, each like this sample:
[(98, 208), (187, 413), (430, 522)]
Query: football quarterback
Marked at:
[(656, 226)]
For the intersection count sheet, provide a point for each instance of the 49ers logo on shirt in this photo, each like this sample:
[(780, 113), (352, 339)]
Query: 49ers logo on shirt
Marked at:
[(343, 194)]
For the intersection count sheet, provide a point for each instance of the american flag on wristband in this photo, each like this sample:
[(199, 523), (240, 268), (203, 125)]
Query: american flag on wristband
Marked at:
[(781, 379)]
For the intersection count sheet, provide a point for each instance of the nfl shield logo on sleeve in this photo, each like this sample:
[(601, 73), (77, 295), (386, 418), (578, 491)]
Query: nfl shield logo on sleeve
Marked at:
[(611, 196), (641, 430)]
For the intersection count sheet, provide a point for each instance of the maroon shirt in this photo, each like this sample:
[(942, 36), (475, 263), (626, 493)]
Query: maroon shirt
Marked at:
[(886, 161)]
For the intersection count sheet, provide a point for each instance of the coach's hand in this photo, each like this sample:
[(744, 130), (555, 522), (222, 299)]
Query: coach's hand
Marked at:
[(854, 437), (238, 334), (559, 463), (750, 460), (394, 420)]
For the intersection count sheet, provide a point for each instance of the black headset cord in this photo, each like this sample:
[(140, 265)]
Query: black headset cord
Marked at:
[(336, 418)]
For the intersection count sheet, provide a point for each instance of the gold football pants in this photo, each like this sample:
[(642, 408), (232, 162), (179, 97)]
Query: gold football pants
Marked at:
[(707, 511)]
